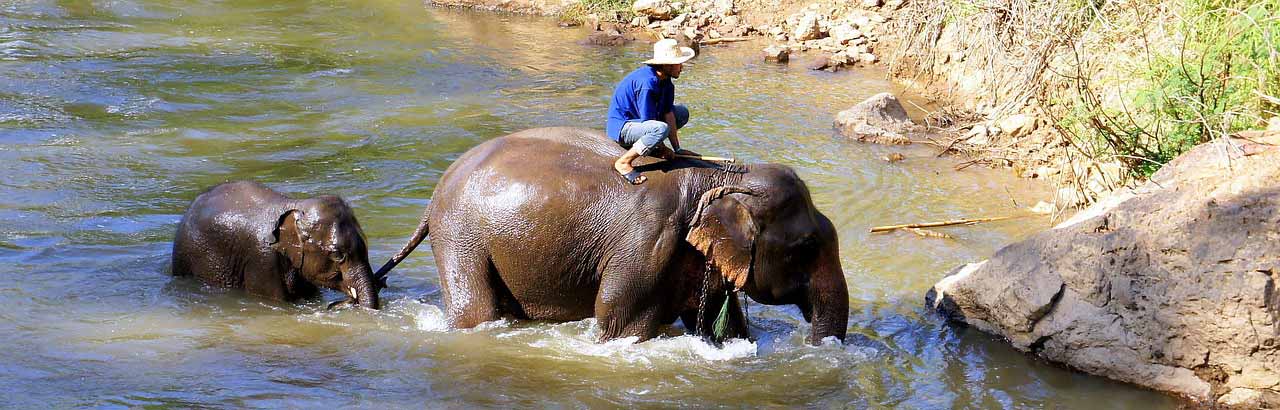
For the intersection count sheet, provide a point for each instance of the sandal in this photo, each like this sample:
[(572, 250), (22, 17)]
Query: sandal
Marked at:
[(634, 177)]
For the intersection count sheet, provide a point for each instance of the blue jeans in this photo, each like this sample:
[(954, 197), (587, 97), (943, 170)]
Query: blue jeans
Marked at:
[(648, 134)]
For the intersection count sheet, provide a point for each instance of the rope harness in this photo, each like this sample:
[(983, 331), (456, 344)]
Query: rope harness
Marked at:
[(720, 326)]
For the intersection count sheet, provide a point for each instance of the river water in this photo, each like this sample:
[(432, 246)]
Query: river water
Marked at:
[(115, 114)]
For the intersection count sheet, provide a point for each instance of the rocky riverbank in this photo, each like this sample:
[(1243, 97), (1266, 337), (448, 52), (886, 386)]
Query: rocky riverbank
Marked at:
[(1170, 285)]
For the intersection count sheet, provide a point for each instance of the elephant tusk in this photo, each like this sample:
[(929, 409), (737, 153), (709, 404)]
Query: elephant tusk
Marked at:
[(351, 290)]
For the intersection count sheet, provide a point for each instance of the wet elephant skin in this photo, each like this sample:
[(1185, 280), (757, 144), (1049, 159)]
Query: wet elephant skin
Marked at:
[(243, 235), (538, 225)]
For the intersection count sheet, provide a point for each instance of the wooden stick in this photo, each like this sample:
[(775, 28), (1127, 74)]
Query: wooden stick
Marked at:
[(706, 158), (944, 223), (723, 40), (927, 233)]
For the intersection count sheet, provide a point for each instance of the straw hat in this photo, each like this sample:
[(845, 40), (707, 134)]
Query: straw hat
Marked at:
[(667, 51)]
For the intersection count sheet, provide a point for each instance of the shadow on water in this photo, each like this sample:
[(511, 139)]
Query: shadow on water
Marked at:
[(114, 115)]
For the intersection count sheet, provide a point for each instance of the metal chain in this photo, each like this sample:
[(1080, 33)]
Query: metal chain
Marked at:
[(702, 299)]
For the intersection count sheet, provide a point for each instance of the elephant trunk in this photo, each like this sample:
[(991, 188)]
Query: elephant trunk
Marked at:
[(361, 286), (827, 303)]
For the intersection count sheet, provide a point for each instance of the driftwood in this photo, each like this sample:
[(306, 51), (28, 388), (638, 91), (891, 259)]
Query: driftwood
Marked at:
[(707, 158), (968, 221), (927, 233), (723, 40)]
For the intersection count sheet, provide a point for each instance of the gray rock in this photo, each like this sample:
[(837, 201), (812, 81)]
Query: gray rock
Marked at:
[(778, 54), (1240, 398), (843, 33), (819, 62), (807, 28), (1018, 125), (607, 39), (1171, 285), (880, 119)]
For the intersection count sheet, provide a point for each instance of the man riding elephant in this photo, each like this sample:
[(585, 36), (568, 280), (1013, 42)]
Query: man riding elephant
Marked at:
[(537, 225), (643, 110)]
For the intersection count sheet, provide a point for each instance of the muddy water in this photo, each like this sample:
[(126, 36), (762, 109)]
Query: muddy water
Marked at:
[(114, 115)]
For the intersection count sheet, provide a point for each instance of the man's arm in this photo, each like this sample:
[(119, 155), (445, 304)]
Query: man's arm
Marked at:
[(670, 118)]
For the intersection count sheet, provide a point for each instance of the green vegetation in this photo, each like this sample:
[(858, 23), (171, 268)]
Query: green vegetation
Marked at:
[(1221, 76), (608, 10)]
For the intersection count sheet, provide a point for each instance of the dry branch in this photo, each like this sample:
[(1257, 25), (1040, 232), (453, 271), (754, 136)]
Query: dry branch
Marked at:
[(927, 233), (968, 221), (724, 40)]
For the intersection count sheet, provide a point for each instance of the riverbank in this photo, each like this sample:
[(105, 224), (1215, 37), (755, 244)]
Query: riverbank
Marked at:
[(121, 112), (1088, 99)]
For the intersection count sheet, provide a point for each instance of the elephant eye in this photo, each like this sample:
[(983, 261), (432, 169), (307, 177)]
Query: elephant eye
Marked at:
[(337, 256)]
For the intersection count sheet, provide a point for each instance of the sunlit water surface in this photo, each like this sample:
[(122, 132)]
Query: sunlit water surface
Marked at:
[(115, 114)]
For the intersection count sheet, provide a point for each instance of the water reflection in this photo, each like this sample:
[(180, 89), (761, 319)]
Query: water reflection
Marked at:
[(114, 115)]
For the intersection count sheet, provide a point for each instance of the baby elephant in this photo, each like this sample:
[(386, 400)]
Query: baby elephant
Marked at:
[(247, 236)]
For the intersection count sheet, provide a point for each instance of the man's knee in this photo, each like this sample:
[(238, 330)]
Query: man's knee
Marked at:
[(682, 115), (655, 132)]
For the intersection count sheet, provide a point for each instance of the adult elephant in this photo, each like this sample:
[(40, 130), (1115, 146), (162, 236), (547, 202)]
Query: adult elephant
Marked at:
[(244, 235), (538, 225)]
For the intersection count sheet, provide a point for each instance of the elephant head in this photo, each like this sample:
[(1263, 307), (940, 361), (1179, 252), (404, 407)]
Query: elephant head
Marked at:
[(767, 239), (323, 243)]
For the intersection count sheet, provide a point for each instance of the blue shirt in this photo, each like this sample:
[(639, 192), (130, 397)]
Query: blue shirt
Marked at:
[(640, 96)]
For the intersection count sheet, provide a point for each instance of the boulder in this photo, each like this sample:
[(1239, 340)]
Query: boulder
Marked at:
[(978, 135), (1171, 285), (655, 9), (807, 28), (723, 6), (777, 54), (880, 119), (1018, 125), (843, 33), (821, 61), (607, 38)]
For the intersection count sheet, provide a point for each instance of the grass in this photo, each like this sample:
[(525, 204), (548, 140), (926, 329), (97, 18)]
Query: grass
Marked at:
[(1221, 78), (608, 10)]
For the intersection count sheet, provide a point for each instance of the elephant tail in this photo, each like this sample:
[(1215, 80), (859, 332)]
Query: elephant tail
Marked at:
[(418, 235)]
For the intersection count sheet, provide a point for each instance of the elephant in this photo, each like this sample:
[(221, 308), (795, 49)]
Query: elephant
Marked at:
[(243, 235), (538, 225)]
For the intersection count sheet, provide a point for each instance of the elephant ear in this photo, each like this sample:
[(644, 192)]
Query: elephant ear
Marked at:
[(724, 231), (288, 237)]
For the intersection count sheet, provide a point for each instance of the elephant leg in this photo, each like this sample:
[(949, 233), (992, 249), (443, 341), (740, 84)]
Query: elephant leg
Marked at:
[(737, 320), (469, 296), (631, 299)]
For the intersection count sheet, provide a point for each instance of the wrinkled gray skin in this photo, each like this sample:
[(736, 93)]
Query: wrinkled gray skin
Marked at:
[(243, 235), (538, 225)]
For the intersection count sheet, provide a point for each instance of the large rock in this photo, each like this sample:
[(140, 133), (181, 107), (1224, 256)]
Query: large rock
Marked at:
[(1172, 285), (880, 119), (844, 33), (807, 28), (777, 54)]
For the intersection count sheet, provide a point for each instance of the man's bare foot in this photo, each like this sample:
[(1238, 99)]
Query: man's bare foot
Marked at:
[(628, 172)]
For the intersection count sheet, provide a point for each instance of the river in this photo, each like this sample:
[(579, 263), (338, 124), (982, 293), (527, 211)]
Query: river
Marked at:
[(115, 114)]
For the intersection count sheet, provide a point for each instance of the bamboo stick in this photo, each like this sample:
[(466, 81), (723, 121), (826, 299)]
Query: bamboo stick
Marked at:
[(723, 40), (707, 158), (927, 233), (935, 224)]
